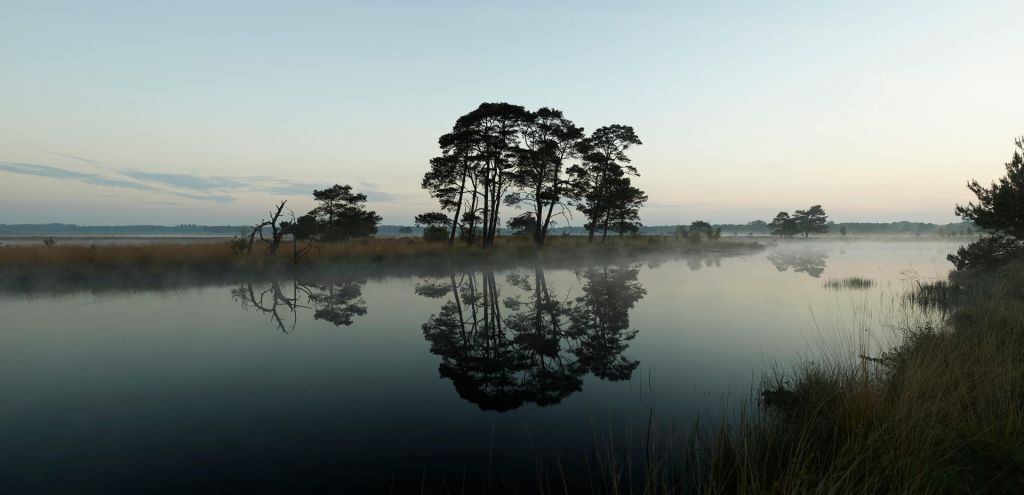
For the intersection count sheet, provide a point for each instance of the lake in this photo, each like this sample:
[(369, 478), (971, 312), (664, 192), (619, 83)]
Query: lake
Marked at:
[(464, 381)]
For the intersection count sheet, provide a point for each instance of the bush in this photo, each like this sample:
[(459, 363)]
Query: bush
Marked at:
[(435, 234), (987, 252)]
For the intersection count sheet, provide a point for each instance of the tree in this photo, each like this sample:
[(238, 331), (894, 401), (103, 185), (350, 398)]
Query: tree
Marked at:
[(489, 136), (1000, 207), (700, 227), (525, 224), (811, 221), (597, 181), (449, 176), (276, 231), (342, 215), (548, 140), (624, 203), (434, 225), (783, 225), (1000, 210)]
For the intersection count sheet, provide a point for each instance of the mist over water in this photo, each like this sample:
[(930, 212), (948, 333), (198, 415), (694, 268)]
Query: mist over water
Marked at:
[(475, 375)]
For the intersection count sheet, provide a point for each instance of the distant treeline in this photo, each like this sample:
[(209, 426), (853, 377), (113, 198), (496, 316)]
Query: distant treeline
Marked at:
[(752, 228)]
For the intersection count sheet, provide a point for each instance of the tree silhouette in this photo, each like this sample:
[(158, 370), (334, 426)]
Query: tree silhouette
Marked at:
[(336, 301), (529, 346), (600, 320), (1000, 209), (503, 154), (811, 221), (783, 225), (811, 263), (341, 214), (597, 181), (548, 140), (434, 225)]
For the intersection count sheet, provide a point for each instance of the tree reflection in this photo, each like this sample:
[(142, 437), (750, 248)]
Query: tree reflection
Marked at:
[(530, 346), (336, 301), (809, 262)]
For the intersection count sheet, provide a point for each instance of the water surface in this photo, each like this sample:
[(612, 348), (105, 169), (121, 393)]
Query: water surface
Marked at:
[(470, 378)]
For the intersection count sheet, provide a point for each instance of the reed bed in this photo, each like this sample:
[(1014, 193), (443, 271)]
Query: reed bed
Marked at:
[(57, 264), (849, 283)]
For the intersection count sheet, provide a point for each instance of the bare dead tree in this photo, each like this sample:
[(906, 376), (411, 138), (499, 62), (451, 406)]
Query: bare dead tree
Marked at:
[(276, 232), (272, 300)]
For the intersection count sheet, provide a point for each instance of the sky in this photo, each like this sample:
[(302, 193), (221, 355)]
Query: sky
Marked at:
[(208, 112)]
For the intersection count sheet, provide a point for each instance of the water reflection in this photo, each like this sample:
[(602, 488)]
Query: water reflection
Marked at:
[(809, 262), (531, 346), (336, 301)]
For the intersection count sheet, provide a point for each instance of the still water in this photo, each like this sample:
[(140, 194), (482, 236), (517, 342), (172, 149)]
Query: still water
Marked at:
[(465, 381)]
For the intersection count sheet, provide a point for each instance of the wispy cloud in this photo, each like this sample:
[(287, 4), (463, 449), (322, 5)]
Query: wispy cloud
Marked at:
[(100, 180), (61, 173), (187, 181), (218, 189)]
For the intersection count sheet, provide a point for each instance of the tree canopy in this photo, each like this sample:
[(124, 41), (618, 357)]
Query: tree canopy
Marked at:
[(341, 214), (540, 161), (810, 221), (1000, 210)]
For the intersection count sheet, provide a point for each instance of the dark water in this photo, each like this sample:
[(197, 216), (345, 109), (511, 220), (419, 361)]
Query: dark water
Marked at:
[(466, 382)]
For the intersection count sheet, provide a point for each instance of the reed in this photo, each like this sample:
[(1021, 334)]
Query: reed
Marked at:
[(849, 283)]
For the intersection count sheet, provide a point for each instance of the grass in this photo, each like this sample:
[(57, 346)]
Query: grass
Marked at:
[(40, 265), (849, 283), (942, 412)]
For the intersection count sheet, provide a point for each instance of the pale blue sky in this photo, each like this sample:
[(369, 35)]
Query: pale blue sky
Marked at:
[(209, 111)]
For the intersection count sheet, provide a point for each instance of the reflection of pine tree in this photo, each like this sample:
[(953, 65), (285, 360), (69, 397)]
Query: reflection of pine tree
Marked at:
[(600, 320), (811, 263), (338, 302), (500, 356)]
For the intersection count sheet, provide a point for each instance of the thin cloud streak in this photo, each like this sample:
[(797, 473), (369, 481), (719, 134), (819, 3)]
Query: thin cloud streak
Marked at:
[(189, 186), (47, 171)]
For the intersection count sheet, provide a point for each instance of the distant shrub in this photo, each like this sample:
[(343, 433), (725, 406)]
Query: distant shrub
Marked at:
[(435, 234)]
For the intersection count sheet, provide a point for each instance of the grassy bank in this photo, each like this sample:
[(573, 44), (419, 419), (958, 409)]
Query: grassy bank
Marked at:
[(941, 413), (40, 265)]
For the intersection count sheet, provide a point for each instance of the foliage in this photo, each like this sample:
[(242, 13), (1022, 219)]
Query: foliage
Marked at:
[(524, 224), (548, 140), (504, 154), (602, 190), (811, 221), (783, 225), (432, 219), (341, 214), (435, 225), (1000, 209), (988, 252)]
